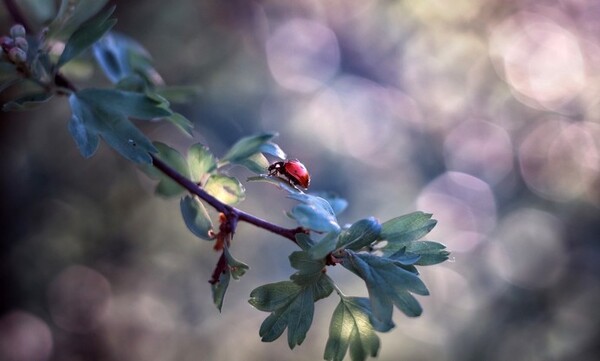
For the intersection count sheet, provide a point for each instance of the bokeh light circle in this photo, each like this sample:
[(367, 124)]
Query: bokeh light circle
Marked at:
[(539, 58), (464, 206), (303, 55), (24, 337), (78, 299), (528, 250), (479, 148), (357, 117), (560, 160)]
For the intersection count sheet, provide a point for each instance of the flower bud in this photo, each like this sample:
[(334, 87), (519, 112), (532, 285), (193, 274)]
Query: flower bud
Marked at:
[(21, 42), (6, 42), (17, 55), (17, 31)]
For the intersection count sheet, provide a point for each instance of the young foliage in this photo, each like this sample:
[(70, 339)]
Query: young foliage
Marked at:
[(351, 328), (123, 60), (360, 234), (309, 269), (246, 147), (226, 189), (404, 232), (105, 113), (233, 268), (196, 218), (337, 203), (389, 284), (71, 15), (291, 306), (320, 250), (201, 162), (87, 35), (166, 186), (27, 102), (314, 213)]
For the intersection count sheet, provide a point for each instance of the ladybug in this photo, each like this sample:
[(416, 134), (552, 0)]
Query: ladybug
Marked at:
[(291, 170)]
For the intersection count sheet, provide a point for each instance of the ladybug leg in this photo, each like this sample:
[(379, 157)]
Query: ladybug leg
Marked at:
[(295, 186)]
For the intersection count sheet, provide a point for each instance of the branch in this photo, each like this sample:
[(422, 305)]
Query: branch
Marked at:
[(228, 210)]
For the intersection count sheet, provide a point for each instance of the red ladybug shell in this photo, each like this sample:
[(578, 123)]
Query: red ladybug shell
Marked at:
[(297, 172), (294, 171)]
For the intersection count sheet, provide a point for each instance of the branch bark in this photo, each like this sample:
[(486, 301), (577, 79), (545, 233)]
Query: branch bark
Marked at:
[(229, 211)]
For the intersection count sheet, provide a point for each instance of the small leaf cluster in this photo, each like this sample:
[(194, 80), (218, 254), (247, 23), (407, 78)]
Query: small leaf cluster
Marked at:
[(208, 172), (108, 113), (384, 255)]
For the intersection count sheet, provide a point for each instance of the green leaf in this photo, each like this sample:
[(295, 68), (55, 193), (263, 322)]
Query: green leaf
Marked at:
[(408, 227), (282, 184), (430, 252), (247, 147), (297, 317), (400, 231), (132, 104), (200, 161), (292, 307), (27, 102), (71, 14), (273, 296), (182, 123), (133, 83), (86, 139), (120, 57), (338, 204), (196, 217), (325, 246), (91, 119), (309, 269), (87, 35), (388, 284), (350, 327), (237, 268), (314, 213), (226, 189), (256, 163), (360, 234), (167, 187), (220, 288), (105, 113), (180, 94), (304, 241), (272, 149), (314, 218)]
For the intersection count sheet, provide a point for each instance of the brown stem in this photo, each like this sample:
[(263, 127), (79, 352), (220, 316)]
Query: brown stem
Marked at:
[(229, 211), (219, 269)]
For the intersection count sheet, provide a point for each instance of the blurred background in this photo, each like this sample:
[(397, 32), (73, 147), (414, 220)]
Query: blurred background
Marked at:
[(486, 114)]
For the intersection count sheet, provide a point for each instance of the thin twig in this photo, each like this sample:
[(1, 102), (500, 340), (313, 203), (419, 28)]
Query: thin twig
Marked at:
[(228, 210)]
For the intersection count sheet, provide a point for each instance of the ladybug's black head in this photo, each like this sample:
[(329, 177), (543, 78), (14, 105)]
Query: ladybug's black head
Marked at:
[(275, 166)]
